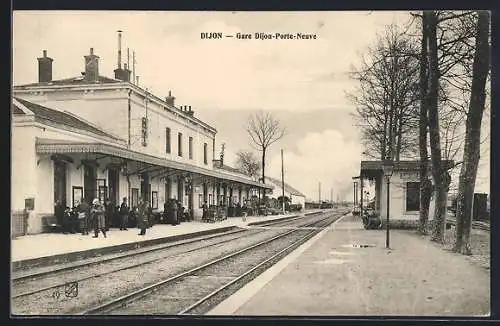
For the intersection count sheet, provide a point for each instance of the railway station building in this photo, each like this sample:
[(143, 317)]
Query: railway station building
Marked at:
[(404, 190), (91, 136)]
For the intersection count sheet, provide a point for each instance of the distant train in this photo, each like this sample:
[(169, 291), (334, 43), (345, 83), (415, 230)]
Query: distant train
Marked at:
[(323, 205)]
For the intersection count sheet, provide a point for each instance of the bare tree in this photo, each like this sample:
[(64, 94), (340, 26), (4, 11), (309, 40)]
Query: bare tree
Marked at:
[(438, 172), (445, 56), (386, 96), (468, 173), (247, 163), (425, 183), (264, 130)]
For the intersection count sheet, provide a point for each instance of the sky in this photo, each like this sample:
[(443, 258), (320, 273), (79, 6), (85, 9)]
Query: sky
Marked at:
[(301, 82)]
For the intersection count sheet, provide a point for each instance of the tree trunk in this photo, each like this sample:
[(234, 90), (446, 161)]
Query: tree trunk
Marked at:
[(434, 135), (425, 189), (400, 140), (383, 151), (472, 144), (263, 171)]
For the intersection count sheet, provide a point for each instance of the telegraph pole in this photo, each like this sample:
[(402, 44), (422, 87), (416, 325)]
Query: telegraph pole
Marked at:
[(319, 193), (282, 182)]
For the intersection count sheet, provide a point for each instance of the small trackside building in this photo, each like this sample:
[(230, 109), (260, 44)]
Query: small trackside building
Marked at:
[(404, 189), (296, 197)]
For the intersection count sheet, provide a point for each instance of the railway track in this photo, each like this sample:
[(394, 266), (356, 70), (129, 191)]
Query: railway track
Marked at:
[(22, 275), (197, 290), (37, 286)]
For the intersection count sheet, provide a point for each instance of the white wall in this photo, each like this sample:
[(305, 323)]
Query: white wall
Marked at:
[(397, 193), (23, 171), (278, 191), (159, 119), (104, 108), (108, 109)]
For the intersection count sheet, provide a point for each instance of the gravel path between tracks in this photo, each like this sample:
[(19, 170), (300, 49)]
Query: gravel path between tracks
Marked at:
[(57, 278), (97, 290), (133, 258), (172, 298)]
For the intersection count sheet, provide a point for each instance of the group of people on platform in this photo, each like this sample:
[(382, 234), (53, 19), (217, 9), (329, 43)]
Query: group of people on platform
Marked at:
[(98, 217)]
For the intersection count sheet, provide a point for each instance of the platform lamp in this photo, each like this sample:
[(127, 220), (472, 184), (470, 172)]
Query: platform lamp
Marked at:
[(388, 168)]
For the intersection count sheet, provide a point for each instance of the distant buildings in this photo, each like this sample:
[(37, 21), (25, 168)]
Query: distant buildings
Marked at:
[(92, 136), (296, 197)]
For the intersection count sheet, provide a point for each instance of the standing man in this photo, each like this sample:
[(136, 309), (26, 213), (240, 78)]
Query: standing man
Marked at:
[(84, 210), (175, 207), (142, 216), (59, 213), (109, 210), (98, 216), (205, 211), (124, 209)]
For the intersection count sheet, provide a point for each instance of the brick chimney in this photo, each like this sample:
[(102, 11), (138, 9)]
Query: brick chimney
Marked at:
[(123, 74), (91, 67), (170, 99), (44, 68), (190, 112)]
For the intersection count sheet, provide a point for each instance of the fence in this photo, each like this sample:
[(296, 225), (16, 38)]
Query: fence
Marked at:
[(19, 223)]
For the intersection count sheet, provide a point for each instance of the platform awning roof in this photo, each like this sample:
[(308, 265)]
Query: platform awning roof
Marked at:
[(373, 168), (45, 146)]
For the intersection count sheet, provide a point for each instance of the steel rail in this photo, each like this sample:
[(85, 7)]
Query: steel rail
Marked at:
[(24, 294), (136, 252), (140, 293), (237, 279)]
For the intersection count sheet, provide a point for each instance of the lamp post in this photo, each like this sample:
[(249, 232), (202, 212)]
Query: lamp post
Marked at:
[(387, 167)]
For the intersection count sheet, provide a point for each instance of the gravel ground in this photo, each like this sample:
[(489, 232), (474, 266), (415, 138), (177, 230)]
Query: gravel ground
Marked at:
[(62, 277), (80, 273), (480, 245), (98, 289), (172, 298)]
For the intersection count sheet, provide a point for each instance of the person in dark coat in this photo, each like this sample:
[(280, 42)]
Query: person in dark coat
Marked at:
[(142, 216), (180, 214), (124, 211), (175, 217), (204, 217), (84, 211), (66, 220), (97, 211), (73, 219), (59, 213), (165, 211), (108, 217), (238, 210), (151, 220)]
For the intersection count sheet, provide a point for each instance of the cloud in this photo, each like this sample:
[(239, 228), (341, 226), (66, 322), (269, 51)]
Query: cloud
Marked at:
[(324, 157), (228, 73)]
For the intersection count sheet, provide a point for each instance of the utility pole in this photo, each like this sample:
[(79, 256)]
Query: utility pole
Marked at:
[(282, 183), (319, 193), (133, 69), (331, 195)]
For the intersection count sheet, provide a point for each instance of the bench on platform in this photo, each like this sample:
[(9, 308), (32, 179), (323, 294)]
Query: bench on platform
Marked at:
[(49, 224)]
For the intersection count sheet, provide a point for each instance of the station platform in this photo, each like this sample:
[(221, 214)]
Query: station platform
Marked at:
[(346, 270), (50, 248)]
